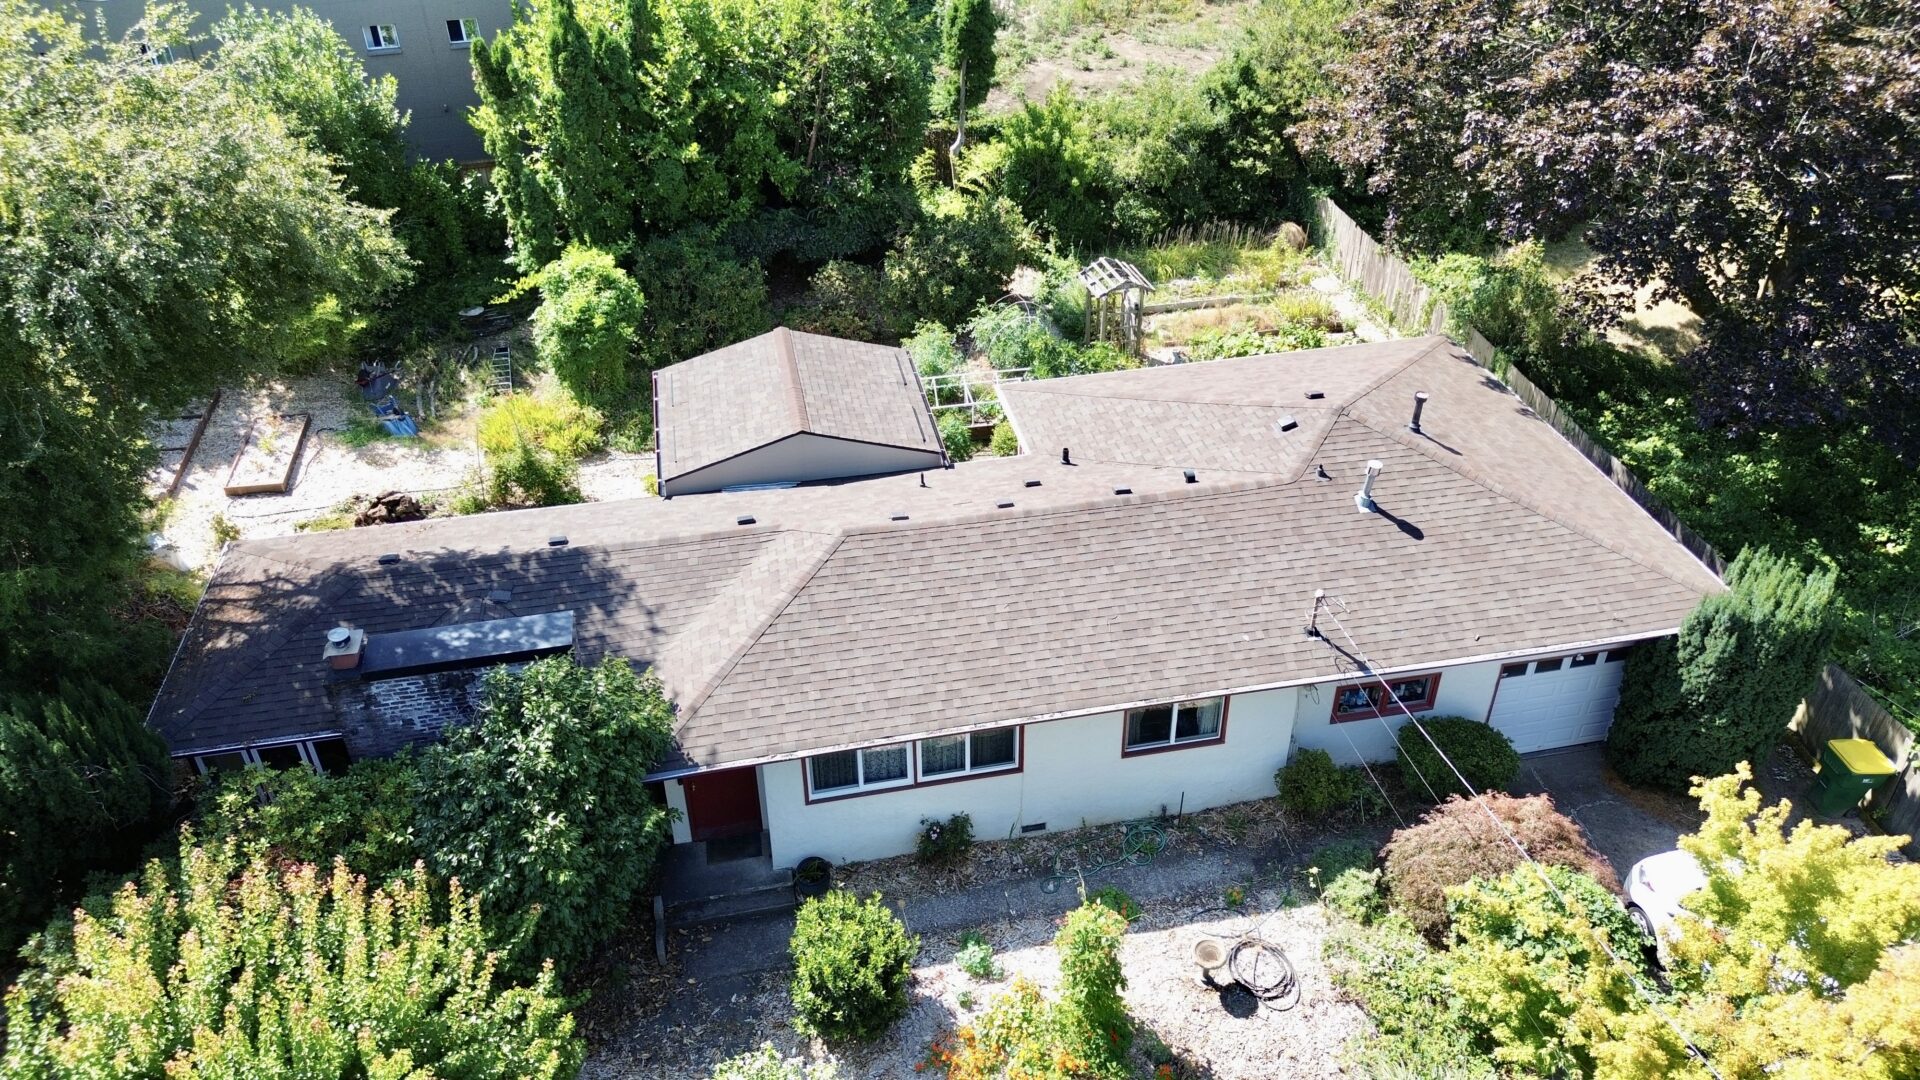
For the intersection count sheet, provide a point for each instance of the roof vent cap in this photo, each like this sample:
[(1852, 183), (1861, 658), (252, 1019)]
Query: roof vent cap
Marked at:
[(1287, 422), (1008, 505), (1419, 403), (1315, 395), (1033, 483), (1189, 476), (1123, 491), (343, 648), (1363, 499), (556, 540), (744, 519), (339, 635), (389, 558)]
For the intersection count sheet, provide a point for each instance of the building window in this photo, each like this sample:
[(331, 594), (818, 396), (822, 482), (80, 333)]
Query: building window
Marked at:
[(461, 32), (848, 772), (320, 755), (1367, 700), (959, 755), (1541, 667), (1161, 727), (155, 54), (382, 37)]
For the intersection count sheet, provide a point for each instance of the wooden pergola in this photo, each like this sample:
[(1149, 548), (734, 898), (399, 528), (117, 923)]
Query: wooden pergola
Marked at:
[(1116, 293)]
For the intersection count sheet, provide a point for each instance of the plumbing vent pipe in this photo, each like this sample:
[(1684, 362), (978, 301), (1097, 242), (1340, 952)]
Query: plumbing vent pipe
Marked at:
[(1363, 499), (1419, 403)]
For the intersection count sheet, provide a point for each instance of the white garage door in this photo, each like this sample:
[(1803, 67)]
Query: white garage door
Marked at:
[(1559, 701)]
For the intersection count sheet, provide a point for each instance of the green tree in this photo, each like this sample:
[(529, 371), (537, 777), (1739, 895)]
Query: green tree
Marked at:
[(967, 29), (585, 325), (1091, 1016), (82, 779), (223, 234), (295, 64), (1053, 170), (959, 252), (540, 805), (221, 969), (1772, 194), (698, 298), (1723, 691)]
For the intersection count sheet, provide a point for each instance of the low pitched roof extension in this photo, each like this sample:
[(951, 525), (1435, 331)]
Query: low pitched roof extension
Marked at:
[(788, 622)]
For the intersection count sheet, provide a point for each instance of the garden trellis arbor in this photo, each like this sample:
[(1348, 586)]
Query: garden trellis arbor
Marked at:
[(1116, 292)]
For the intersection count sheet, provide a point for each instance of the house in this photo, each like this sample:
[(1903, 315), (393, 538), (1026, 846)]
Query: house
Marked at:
[(423, 46), (1189, 573)]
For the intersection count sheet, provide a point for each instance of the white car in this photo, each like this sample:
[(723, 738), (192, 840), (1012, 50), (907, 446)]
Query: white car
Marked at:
[(1654, 888)]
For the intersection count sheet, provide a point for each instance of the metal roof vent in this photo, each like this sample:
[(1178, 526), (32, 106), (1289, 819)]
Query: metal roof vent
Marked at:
[(1315, 395), (1419, 403), (1123, 491), (898, 517), (744, 519), (1008, 505), (500, 596), (1286, 423), (343, 649), (1363, 499), (556, 540), (1065, 458), (389, 558), (1188, 475), (1033, 483)]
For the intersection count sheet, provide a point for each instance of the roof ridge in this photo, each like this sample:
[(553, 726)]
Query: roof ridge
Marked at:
[(790, 367), (687, 702), (1401, 438)]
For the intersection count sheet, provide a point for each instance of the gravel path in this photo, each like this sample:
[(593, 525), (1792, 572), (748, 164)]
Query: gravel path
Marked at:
[(1223, 1036), (329, 471)]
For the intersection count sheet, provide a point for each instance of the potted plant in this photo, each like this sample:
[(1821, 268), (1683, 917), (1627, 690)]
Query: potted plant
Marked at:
[(813, 877)]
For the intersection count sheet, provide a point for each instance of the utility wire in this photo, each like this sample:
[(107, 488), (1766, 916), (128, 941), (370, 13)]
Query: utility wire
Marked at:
[(1387, 690)]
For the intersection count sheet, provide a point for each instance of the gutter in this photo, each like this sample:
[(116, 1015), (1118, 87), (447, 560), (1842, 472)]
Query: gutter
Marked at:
[(1041, 718)]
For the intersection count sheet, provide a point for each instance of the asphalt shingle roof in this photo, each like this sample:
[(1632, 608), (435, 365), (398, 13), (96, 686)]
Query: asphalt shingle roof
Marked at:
[(752, 393), (875, 610)]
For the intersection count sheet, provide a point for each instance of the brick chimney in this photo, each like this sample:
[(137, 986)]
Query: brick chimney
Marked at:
[(344, 646)]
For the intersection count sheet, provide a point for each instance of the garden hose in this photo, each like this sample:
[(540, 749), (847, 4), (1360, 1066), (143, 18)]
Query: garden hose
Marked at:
[(1139, 844), (1257, 963)]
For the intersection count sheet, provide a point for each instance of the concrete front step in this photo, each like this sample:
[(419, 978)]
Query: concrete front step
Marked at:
[(767, 899)]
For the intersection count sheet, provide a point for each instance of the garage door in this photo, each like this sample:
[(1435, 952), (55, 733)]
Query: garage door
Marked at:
[(1559, 701)]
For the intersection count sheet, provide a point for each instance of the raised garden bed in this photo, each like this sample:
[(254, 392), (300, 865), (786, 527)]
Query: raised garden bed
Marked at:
[(265, 461)]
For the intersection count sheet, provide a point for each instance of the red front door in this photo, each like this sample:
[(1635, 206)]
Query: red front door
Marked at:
[(722, 804)]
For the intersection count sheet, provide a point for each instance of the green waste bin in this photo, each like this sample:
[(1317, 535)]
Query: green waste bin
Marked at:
[(1849, 771)]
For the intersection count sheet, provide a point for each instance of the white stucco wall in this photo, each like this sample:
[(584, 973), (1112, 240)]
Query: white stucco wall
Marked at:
[(1073, 774), (1466, 690)]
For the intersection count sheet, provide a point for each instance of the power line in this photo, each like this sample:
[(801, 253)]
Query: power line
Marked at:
[(1387, 690)]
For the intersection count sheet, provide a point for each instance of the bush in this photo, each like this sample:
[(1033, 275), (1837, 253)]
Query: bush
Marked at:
[(943, 843), (1722, 692), (845, 300), (364, 816), (851, 962), (1401, 982), (540, 806), (1347, 880), (584, 328), (1004, 442), (82, 783), (1483, 755), (1114, 899), (224, 969), (1052, 169), (1311, 785), (958, 254), (569, 430), (698, 298), (1456, 842), (933, 350), (529, 475), (975, 956), (955, 435), (1091, 1016), (1226, 344), (766, 1063)]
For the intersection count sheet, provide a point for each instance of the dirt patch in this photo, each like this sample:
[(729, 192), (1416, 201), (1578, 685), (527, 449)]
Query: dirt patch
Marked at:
[(1228, 1036), (1096, 62)]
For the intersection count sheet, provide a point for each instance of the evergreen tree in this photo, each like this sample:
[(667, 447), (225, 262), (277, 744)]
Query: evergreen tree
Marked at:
[(81, 779), (584, 328), (967, 28), (1723, 691)]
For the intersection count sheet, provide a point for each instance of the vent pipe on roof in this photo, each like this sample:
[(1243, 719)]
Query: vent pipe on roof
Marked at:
[(1363, 499), (344, 646), (1419, 403), (1065, 458)]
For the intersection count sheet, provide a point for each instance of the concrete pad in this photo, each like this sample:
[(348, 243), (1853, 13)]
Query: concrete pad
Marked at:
[(1624, 823)]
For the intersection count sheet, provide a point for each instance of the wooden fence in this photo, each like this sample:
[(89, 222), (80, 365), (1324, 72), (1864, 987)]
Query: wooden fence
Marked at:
[(1840, 709)]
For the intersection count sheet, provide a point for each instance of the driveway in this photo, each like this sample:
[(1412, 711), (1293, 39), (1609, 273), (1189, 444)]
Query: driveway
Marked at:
[(1625, 823)]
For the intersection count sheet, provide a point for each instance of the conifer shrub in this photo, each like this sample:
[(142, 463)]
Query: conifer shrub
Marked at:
[(1723, 691), (1457, 841), (851, 962), (1004, 442), (1311, 785), (1483, 755)]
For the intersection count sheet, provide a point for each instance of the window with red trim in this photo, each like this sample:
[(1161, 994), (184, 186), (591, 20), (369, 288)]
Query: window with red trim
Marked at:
[(1366, 700)]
